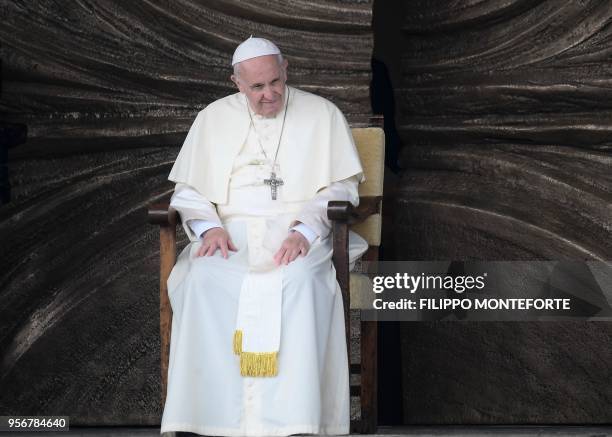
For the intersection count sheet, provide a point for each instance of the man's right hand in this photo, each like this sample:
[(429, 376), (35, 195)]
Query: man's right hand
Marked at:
[(216, 238)]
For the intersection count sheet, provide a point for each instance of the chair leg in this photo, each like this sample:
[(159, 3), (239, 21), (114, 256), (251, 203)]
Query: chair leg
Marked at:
[(369, 356)]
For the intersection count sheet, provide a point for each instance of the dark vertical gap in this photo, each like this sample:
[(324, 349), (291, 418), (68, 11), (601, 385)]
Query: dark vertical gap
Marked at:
[(386, 75), (11, 135), (5, 188)]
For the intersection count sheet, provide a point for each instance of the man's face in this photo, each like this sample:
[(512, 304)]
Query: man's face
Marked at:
[(262, 80)]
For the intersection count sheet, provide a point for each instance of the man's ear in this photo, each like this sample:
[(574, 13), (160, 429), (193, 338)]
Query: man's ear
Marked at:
[(236, 81), (283, 69)]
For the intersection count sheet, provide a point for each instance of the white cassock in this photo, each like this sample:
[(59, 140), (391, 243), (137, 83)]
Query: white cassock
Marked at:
[(310, 392)]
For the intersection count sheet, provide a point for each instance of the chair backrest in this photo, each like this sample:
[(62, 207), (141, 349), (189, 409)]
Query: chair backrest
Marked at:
[(370, 142)]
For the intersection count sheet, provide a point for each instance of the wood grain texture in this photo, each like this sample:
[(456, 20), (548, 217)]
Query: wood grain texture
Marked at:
[(506, 117), (108, 90)]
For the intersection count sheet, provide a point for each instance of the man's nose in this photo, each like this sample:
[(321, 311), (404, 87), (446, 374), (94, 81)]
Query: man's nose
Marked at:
[(268, 94)]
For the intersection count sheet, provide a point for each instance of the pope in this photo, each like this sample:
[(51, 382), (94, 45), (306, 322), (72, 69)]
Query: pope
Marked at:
[(257, 343)]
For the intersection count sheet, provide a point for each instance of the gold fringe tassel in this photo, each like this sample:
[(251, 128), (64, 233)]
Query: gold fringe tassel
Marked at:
[(258, 364), (238, 342)]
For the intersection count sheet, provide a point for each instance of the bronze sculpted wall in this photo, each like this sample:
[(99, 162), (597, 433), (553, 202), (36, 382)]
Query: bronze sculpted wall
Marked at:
[(107, 90), (506, 116)]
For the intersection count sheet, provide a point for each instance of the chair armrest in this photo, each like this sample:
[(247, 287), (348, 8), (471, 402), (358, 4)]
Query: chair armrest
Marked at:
[(340, 210), (344, 211), (163, 214)]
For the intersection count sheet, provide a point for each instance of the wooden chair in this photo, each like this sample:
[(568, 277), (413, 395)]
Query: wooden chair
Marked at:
[(356, 288), (365, 220)]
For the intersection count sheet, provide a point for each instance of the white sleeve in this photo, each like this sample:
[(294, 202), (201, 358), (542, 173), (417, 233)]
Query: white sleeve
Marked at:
[(308, 233), (199, 226), (314, 213), (197, 213)]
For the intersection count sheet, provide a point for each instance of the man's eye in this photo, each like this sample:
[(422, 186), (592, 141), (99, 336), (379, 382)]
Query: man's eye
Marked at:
[(258, 87)]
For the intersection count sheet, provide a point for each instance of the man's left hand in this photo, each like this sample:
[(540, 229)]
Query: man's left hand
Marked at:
[(294, 245)]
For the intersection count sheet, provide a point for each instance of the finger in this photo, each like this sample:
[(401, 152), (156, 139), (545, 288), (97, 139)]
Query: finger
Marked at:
[(212, 249), (286, 257), (202, 250), (231, 245), (295, 254), (278, 257), (290, 258), (223, 247)]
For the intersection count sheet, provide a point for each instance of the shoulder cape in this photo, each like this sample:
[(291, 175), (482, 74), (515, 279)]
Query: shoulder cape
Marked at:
[(317, 147)]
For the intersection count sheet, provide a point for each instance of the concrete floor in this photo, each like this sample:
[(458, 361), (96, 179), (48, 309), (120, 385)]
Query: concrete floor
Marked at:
[(423, 431)]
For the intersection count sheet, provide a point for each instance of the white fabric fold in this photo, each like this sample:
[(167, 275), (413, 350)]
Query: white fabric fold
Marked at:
[(191, 205), (259, 311), (314, 212)]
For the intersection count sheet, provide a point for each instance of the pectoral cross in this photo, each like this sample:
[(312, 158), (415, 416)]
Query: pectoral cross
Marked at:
[(274, 183)]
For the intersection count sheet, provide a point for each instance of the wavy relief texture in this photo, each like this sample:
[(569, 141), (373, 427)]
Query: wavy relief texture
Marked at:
[(506, 115), (108, 90), (78, 287), (69, 67), (506, 108)]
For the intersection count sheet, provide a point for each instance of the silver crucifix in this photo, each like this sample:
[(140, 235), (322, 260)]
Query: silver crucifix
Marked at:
[(274, 183)]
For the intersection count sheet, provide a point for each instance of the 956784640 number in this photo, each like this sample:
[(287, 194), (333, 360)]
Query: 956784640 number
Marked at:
[(34, 423)]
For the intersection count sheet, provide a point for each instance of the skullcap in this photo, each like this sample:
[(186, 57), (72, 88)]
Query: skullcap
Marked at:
[(252, 48)]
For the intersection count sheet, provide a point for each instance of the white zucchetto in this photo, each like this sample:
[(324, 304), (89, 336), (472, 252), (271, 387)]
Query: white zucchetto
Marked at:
[(253, 48)]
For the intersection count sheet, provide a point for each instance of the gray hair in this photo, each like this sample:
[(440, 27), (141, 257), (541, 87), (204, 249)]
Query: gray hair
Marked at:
[(279, 57)]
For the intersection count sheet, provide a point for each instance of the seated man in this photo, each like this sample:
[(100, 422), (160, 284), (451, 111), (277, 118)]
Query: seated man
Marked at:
[(257, 344)]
